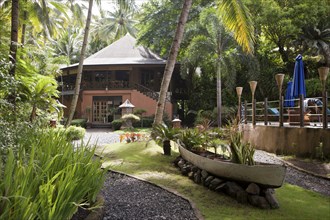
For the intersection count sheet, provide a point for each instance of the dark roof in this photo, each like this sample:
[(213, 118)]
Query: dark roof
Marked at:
[(122, 51)]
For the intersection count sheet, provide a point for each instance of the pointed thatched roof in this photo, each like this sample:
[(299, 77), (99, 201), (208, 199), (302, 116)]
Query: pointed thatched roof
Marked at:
[(121, 52)]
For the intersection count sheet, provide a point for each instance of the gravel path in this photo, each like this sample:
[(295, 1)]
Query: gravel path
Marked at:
[(296, 177), (129, 198)]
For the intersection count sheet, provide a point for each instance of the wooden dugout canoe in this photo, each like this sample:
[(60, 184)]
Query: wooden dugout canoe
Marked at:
[(270, 175)]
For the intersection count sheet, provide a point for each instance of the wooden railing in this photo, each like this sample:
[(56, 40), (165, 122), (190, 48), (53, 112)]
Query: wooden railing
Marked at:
[(150, 93), (304, 112)]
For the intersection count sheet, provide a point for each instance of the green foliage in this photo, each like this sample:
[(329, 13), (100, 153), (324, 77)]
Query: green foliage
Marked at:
[(162, 132), (72, 132), (139, 111), (145, 122), (47, 178), (116, 124), (192, 139), (80, 122), (241, 152)]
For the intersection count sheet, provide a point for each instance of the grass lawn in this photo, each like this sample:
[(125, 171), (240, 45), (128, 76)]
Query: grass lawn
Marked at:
[(148, 163)]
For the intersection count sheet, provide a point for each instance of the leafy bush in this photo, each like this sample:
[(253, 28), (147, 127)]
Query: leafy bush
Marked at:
[(192, 139), (145, 122), (81, 122), (162, 133), (47, 178), (72, 132), (116, 124)]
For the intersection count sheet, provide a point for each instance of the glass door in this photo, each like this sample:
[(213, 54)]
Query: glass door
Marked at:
[(105, 108)]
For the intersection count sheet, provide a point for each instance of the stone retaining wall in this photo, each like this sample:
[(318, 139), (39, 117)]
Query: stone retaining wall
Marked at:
[(245, 193)]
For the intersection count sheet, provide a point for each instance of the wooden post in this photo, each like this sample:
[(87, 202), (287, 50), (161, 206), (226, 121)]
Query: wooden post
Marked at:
[(254, 112), (281, 111), (301, 110), (266, 111), (324, 110), (245, 112)]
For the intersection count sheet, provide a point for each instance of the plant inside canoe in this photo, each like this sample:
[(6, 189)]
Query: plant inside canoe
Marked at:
[(163, 135), (241, 152)]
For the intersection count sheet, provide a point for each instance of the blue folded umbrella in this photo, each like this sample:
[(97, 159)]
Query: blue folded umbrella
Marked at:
[(298, 86), (288, 98)]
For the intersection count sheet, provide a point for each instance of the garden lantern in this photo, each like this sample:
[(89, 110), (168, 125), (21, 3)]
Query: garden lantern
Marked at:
[(126, 107), (176, 123)]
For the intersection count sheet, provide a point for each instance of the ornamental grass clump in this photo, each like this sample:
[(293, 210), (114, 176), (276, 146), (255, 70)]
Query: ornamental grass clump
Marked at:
[(48, 178)]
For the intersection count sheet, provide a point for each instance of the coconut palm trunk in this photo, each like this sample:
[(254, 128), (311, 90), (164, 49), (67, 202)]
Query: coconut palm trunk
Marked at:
[(80, 66), (170, 64), (14, 35)]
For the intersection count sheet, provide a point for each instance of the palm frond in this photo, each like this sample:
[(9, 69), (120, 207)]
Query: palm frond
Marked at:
[(236, 18)]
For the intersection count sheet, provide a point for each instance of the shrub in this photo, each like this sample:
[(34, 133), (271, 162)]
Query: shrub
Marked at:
[(81, 122), (130, 117), (47, 178), (116, 124), (145, 122), (72, 132)]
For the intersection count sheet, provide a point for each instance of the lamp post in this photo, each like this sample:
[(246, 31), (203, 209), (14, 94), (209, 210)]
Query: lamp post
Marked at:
[(253, 86), (239, 94), (323, 74), (279, 80)]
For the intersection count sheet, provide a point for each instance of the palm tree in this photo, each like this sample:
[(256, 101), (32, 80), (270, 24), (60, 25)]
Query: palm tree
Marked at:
[(236, 18), (14, 35), (215, 40), (68, 44), (41, 16), (42, 94), (80, 66), (318, 39), (116, 24), (171, 61)]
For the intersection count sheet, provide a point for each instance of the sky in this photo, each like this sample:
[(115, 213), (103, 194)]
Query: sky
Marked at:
[(108, 5)]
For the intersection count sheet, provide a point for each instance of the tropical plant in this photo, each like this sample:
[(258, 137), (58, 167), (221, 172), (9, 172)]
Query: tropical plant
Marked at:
[(116, 124), (46, 178), (241, 152), (41, 94), (117, 23), (80, 66), (162, 132), (72, 132), (234, 15), (171, 61), (192, 139), (163, 135)]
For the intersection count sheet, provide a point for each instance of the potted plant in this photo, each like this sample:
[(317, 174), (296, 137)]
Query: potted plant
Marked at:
[(163, 135)]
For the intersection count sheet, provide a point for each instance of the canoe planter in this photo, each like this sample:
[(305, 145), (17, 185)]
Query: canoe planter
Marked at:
[(270, 175)]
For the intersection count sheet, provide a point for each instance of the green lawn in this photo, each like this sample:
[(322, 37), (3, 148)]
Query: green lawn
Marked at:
[(147, 162)]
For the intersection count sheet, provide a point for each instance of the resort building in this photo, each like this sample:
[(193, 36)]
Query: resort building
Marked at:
[(116, 73)]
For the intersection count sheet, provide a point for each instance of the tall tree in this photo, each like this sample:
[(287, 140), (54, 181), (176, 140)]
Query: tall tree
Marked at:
[(171, 61), (80, 66), (14, 35), (236, 18), (117, 23)]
